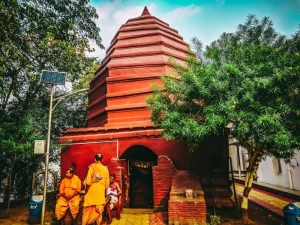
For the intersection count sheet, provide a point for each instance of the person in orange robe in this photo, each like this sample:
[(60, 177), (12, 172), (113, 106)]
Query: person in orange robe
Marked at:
[(69, 195), (97, 180)]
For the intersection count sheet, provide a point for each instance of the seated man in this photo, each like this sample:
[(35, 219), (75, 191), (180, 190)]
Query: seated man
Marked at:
[(112, 194), (69, 195)]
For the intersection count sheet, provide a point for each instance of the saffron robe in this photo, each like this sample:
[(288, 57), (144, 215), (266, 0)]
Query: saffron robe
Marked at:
[(94, 200), (68, 187)]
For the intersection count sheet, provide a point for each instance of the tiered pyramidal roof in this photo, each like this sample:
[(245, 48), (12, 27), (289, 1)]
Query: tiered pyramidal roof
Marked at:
[(137, 57)]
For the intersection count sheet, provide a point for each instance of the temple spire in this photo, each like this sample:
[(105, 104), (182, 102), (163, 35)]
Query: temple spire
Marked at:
[(146, 12)]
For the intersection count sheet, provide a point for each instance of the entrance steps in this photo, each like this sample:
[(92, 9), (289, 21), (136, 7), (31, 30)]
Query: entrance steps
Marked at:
[(137, 211)]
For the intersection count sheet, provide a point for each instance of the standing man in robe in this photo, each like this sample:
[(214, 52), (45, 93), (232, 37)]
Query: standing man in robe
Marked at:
[(97, 180), (69, 195)]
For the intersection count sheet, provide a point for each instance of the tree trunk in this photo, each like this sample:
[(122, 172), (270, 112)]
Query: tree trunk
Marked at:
[(251, 172), (5, 100), (10, 181), (247, 189)]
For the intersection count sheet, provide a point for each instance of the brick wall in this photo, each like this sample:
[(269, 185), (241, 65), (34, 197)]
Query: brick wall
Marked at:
[(163, 174), (183, 212), (119, 168), (115, 167)]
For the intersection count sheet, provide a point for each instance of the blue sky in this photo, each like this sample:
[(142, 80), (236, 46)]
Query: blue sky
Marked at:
[(204, 19)]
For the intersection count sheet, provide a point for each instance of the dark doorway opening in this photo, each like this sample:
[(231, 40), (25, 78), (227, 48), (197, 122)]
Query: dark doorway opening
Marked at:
[(140, 162)]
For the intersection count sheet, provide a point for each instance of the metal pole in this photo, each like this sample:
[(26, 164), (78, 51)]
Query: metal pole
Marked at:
[(75, 92), (234, 191), (47, 156)]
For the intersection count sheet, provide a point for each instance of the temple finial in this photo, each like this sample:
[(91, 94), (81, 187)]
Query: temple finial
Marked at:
[(146, 12)]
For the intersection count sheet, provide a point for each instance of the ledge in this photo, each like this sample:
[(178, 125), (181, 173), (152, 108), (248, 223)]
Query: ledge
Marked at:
[(108, 134)]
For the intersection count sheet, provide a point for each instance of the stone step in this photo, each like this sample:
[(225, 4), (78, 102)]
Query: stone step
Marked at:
[(137, 211)]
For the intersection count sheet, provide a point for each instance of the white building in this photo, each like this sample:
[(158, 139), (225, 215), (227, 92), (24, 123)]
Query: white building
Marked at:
[(270, 170)]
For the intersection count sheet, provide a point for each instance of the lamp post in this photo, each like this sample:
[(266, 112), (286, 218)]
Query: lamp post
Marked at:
[(52, 78)]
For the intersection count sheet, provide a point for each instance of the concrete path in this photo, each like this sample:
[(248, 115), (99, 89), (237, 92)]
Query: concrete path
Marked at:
[(267, 200), (131, 216), (282, 191)]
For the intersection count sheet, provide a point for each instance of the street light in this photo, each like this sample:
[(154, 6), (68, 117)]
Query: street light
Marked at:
[(52, 78)]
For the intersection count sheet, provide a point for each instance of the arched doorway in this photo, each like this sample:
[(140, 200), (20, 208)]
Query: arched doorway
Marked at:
[(140, 161)]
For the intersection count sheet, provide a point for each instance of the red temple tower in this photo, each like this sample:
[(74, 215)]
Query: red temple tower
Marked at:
[(119, 123)]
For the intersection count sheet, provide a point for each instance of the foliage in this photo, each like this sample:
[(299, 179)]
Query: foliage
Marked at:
[(214, 220), (35, 36), (248, 80)]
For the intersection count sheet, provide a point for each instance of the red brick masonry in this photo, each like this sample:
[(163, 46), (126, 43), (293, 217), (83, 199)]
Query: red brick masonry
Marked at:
[(163, 174), (182, 210)]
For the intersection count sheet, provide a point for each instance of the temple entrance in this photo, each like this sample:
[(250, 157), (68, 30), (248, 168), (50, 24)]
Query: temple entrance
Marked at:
[(140, 162)]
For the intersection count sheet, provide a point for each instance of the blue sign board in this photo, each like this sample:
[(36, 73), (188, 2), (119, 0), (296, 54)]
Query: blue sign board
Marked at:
[(52, 77)]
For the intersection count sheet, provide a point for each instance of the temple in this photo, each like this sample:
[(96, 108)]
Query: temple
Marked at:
[(153, 172)]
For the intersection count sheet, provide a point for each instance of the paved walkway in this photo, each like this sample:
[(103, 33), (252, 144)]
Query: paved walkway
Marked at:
[(270, 201), (267, 200), (139, 217), (286, 192)]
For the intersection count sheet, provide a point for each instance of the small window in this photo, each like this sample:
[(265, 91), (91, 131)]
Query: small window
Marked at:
[(277, 166)]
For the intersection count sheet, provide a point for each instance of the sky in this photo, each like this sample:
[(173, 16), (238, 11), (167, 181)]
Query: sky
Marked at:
[(204, 19)]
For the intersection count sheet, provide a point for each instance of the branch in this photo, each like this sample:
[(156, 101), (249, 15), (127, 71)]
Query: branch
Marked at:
[(246, 145)]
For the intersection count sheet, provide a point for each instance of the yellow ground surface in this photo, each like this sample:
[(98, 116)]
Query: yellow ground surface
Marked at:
[(19, 216), (279, 203), (132, 219)]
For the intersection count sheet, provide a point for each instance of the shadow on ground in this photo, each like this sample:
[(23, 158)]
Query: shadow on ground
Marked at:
[(19, 215), (256, 213)]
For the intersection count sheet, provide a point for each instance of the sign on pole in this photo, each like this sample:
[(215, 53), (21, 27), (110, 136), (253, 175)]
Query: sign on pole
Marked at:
[(40, 146), (53, 77)]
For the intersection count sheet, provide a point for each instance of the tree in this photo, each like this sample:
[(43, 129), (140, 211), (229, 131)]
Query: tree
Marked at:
[(35, 36), (16, 145), (249, 80)]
